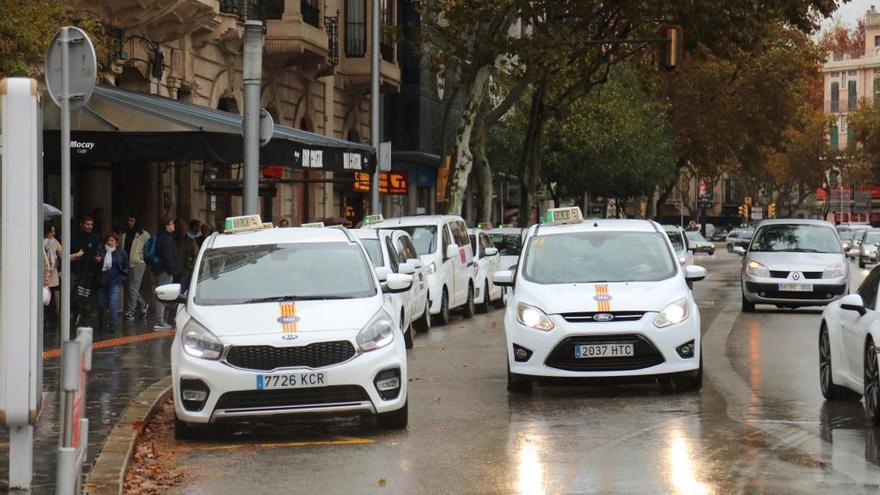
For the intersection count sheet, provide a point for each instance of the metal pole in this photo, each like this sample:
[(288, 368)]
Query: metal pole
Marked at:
[(253, 69), (375, 207), (64, 329)]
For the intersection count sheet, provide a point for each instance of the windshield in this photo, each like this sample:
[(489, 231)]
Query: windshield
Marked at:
[(675, 237), (283, 272), (846, 235), (374, 249), (583, 257), (872, 238), (696, 237), (507, 244), (424, 237), (796, 238)]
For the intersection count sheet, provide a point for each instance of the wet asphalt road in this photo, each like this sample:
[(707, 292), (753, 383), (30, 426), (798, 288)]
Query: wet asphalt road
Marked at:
[(759, 425)]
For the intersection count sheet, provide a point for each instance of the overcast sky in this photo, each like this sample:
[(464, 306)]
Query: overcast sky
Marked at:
[(851, 11)]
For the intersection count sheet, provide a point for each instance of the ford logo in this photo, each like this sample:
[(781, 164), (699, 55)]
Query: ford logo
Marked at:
[(603, 317)]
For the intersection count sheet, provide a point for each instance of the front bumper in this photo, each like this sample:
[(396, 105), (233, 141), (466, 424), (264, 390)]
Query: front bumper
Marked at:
[(765, 290), (345, 388), (553, 352)]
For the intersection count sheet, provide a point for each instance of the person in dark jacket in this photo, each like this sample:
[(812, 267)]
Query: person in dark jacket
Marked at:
[(83, 244), (113, 265), (166, 251)]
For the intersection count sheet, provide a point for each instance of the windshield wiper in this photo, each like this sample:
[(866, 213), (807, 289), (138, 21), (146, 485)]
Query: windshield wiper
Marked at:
[(293, 298)]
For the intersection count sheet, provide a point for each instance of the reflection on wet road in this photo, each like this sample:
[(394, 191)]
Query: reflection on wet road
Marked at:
[(760, 424)]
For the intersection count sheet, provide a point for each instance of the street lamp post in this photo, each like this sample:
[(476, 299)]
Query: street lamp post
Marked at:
[(375, 208), (252, 68)]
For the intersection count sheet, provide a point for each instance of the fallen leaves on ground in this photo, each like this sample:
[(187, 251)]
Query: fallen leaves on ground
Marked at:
[(152, 470)]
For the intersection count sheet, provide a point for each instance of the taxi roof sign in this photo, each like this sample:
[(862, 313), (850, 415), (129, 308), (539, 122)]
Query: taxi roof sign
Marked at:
[(571, 214), (243, 223), (484, 225), (313, 225), (368, 219)]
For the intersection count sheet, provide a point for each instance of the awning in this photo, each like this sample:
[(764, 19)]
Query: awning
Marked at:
[(123, 126)]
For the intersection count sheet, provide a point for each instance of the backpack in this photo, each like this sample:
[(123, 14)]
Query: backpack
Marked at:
[(150, 257)]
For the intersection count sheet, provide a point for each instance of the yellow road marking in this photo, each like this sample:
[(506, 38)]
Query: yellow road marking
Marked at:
[(275, 445)]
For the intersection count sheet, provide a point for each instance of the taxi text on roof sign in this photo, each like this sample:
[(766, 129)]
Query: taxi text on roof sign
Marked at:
[(373, 218), (313, 225), (564, 215), (244, 223)]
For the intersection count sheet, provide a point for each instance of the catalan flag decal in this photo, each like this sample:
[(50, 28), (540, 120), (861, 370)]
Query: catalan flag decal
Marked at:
[(602, 298), (288, 318)]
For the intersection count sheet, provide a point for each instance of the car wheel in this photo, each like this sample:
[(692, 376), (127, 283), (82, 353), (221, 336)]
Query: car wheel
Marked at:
[(730, 248), (872, 383), (394, 420), (469, 308), (185, 431), (443, 316), (826, 381), (484, 306), (861, 262), (516, 384), (423, 324), (407, 334), (690, 381), (712, 252), (747, 307)]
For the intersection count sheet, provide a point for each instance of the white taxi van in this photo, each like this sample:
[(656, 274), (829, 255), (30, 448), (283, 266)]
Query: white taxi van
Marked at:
[(285, 321), (598, 299), (445, 249)]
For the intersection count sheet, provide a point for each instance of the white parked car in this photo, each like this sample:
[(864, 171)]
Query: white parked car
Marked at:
[(509, 242), (486, 257), (282, 322), (601, 298), (445, 249), (385, 248), (848, 337), (679, 244)]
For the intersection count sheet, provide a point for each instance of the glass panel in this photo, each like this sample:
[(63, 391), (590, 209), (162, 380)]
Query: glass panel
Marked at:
[(355, 28)]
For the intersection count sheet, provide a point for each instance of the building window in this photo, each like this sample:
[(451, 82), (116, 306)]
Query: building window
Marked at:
[(876, 41), (842, 123), (835, 137), (876, 92), (850, 140), (355, 28), (835, 97), (851, 95), (387, 44), (310, 11)]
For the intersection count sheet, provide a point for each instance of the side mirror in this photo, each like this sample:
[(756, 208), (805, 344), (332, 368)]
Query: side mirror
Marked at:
[(739, 250), (694, 273), (415, 262), (491, 251), (396, 283), (406, 268), (451, 251), (170, 293), (853, 302), (382, 273), (503, 278)]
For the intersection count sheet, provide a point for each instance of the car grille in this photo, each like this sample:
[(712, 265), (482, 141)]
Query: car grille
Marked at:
[(784, 274), (589, 317), (290, 398), (819, 293), (646, 355), (267, 357)]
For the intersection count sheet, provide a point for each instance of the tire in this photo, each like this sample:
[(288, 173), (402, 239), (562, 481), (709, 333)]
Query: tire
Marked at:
[(730, 248), (500, 303), (469, 310), (712, 252), (872, 383), (484, 306), (747, 307), (407, 334), (443, 316), (394, 420), (185, 431), (517, 384), (423, 324), (826, 381), (690, 381), (861, 262)]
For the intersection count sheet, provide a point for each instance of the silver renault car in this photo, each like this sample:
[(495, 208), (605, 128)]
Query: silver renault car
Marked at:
[(793, 263)]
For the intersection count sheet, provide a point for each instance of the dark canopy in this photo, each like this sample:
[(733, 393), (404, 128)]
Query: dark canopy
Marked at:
[(123, 126)]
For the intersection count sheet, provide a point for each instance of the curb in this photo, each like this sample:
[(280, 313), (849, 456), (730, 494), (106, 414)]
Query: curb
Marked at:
[(108, 473)]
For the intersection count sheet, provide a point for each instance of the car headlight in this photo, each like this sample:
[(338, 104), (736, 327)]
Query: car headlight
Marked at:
[(378, 333), (533, 317), (863, 251), (198, 341), (834, 271), (757, 270), (682, 259), (672, 314), (431, 268)]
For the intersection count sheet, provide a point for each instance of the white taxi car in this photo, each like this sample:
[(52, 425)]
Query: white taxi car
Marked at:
[(285, 321), (445, 249), (600, 298), (487, 258)]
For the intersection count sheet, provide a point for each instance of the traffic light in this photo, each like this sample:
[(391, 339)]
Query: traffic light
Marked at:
[(744, 212), (771, 210)]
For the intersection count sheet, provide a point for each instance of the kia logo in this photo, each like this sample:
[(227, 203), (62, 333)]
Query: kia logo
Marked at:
[(289, 336), (603, 317)]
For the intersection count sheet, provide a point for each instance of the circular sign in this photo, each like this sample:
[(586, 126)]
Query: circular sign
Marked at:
[(267, 127), (81, 70)]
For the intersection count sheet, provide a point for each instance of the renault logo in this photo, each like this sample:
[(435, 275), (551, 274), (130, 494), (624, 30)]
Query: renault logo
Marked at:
[(603, 317), (796, 276)]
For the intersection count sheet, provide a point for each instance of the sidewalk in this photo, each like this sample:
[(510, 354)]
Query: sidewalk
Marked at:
[(123, 365)]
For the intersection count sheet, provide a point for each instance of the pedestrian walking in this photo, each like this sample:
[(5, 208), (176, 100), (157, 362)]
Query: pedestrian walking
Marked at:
[(52, 250), (83, 245), (163, 273), (113, 263), (133, 240), (189, 250)]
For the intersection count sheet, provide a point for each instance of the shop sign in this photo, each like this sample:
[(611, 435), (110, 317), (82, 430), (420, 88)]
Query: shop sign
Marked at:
[(394, 183)]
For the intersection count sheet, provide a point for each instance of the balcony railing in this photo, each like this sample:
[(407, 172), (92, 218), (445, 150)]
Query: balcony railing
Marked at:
[(310, 13)]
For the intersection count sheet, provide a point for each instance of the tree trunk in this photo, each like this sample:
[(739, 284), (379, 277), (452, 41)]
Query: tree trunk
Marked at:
[(529, 178), (484, 172), (667, 190), (461, 168)]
